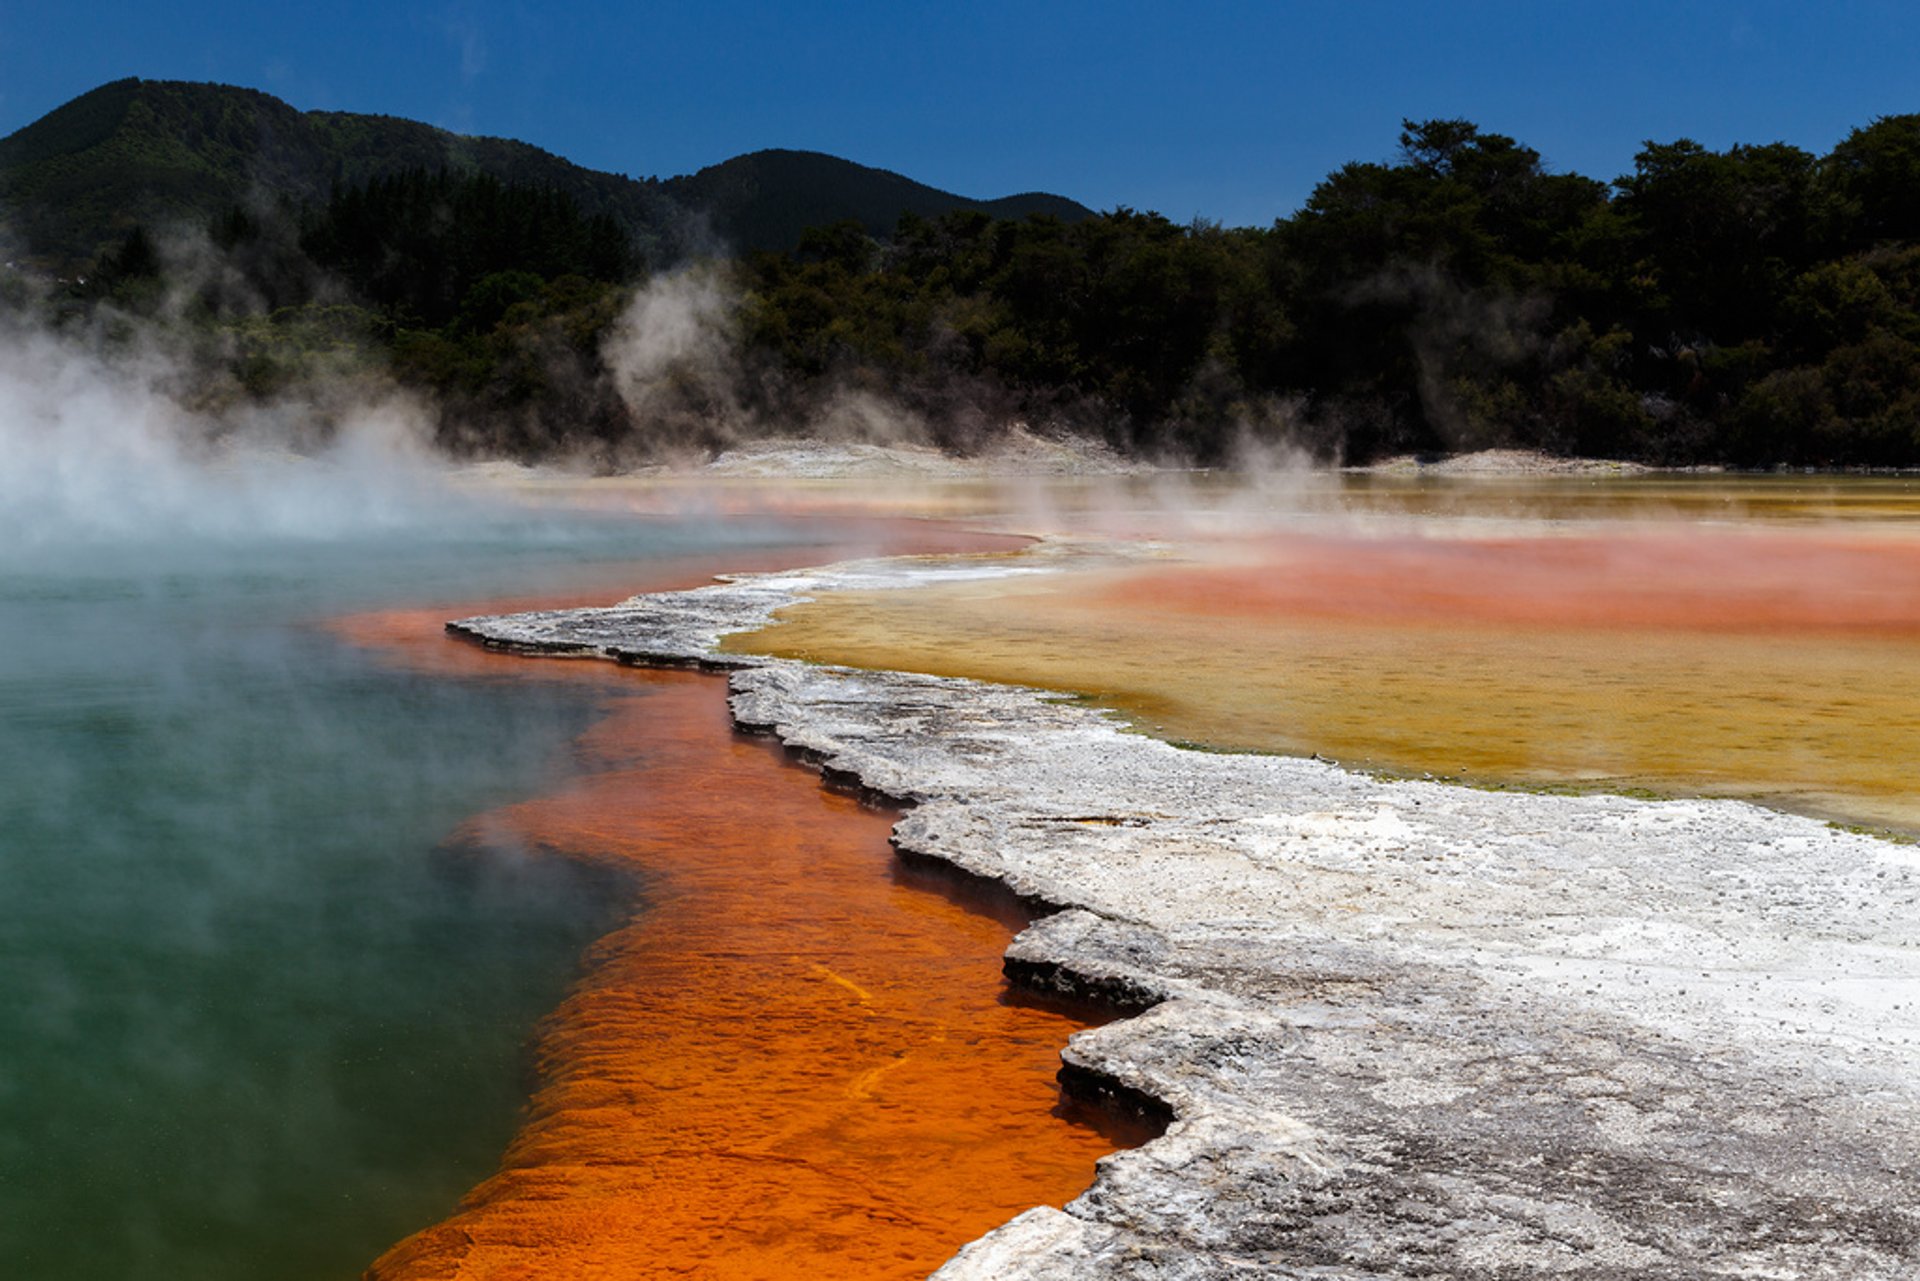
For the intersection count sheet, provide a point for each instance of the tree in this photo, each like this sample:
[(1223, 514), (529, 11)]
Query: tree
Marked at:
[(1724, 232), (1875, 173)]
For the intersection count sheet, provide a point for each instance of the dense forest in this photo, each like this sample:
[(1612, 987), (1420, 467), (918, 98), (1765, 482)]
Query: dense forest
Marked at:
[(1753, 307)]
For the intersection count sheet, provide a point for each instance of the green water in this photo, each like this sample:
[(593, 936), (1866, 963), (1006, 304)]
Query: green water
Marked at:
[(258, 1018)]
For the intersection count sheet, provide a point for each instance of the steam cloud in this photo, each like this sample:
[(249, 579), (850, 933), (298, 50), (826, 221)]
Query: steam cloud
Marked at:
[(676, 361), (96, 446), (1454, 329)]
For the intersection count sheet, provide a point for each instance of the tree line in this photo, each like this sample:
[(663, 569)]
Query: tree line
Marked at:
[(1757, 306)]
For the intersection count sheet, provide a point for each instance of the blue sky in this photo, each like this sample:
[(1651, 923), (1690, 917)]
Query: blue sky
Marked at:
[(1227, 110)]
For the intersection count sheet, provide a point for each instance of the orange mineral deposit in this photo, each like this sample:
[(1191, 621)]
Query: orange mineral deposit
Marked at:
[(796, 1059)]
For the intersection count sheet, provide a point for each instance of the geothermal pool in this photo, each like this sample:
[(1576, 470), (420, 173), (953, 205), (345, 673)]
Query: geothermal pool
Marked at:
[(800, 1060), (290, 880), (303, 898), (267, 989), (1752, 637)]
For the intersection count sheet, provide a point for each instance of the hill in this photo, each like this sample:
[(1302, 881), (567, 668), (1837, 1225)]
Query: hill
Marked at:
[(154, 152), (765, 199)]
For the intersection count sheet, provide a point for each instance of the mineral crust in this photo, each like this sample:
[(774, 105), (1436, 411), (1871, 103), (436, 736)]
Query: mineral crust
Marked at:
[(1397, 1029)]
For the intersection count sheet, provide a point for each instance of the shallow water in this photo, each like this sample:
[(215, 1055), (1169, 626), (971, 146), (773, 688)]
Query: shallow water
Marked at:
[(1753, 637), (801, 1061)]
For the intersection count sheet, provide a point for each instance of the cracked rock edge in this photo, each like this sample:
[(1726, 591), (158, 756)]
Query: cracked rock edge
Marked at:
[(1400, 1029)]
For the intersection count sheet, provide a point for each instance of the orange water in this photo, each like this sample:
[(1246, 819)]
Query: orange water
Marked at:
[(1775, 662), (799, 1060)]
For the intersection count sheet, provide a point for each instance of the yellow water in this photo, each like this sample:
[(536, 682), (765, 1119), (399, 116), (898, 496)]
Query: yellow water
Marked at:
[(1590, 639)]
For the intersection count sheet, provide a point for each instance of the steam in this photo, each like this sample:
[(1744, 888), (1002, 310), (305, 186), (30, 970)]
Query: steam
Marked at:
[(1456, 331), (96, 446), (677, 362), (674, 359), (126, 430)]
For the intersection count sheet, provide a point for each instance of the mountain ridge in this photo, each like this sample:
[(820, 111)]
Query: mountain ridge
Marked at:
[(75, 181)]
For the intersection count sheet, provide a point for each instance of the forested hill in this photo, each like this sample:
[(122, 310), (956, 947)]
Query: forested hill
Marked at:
[(155, 153), (766, 199), (159, 153), (1755, 306)]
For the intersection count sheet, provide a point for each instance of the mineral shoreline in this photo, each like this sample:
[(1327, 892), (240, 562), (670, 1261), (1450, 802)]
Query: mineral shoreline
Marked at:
[(1402, 1029)]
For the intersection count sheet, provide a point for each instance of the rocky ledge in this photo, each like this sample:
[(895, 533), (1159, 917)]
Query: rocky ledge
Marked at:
[(1398, 1029)]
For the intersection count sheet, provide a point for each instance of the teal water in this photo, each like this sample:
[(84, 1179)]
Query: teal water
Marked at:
[(258, 1018)]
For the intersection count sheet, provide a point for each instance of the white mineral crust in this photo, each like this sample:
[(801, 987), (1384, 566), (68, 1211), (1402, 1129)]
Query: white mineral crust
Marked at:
[(1403, 1029)]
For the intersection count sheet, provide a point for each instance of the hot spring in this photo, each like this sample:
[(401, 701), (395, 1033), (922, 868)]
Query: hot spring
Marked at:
[(268, 991)]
